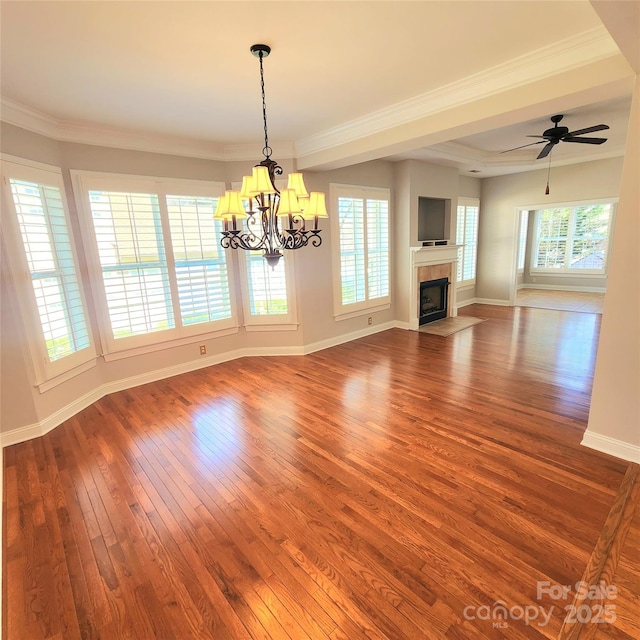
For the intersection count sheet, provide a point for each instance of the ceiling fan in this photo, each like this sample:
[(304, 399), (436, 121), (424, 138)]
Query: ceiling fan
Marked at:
[(562, 134)]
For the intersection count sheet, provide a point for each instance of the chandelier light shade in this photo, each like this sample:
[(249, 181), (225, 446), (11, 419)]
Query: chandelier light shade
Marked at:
[(260, 217)]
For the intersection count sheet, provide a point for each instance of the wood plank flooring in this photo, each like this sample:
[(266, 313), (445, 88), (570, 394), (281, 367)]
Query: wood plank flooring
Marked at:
[(395, 487), (582, 301)]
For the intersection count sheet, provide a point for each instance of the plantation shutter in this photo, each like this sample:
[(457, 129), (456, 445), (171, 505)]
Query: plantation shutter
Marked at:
[(377, 248), (131, 250), (47, 245), (467, 236), (361, 247), (590, 236), (573, 238), (200, 262), (352, 259), (553, 229), (522, 239), (267, 286)]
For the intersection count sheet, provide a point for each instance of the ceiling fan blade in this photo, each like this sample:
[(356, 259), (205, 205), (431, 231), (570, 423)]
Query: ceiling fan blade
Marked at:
[(523, 146), (598, 127), (537, 137), (546, 151), (584, 140)]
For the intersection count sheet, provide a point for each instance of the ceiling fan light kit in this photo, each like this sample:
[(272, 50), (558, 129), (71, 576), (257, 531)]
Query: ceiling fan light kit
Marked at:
[(556, 134)]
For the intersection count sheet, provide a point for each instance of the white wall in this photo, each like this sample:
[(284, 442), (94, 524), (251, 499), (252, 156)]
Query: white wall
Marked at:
[(502, 196), (614, 419)]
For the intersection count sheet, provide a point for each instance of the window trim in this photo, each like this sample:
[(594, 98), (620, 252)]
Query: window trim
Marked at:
[(369, 305), (45, 373), (83, 182), (567, 271)]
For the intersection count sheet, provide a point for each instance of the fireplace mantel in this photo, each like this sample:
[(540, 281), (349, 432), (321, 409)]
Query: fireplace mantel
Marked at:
[(428, 257)]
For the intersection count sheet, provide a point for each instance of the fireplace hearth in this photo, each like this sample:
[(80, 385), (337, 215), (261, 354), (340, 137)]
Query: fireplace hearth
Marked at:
[(434, 296)]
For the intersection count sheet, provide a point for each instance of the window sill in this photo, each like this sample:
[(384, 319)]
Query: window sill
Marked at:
[(167, 344), (293, 326), (465, 284), (568, 274), (49, 384), (361, 312)]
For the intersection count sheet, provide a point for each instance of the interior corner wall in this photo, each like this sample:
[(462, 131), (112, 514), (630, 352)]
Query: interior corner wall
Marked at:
[(503, 195), (614, 418)]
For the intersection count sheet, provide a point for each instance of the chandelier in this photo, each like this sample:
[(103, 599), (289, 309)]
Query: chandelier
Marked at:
[(274, 219)]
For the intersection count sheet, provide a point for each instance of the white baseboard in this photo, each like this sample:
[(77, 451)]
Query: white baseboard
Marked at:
[(466, 303), (618, 448), (22, 434), (493, 301), (560, 287), (348, 337)]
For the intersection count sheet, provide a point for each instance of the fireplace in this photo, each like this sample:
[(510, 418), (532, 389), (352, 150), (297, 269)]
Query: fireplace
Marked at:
[(434, 295)]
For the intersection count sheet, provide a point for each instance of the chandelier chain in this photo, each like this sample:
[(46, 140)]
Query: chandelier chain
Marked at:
[(267, 149)]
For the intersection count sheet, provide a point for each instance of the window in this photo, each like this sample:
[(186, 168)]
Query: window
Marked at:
[(267, 286), (269, 294), (128, 234), (42, 252), (522, 239), (361, 238), (158, 255), (467, 236), (573, 239), (200, 261)]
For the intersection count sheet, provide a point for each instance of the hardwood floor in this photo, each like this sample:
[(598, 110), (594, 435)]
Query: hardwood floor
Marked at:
[(582, 301), (395, 487)]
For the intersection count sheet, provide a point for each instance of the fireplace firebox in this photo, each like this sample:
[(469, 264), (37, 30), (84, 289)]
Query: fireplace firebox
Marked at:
[(433, 300)]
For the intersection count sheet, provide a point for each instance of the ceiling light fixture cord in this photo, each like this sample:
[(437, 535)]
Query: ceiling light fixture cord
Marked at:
[(546, 191), (266, 152)]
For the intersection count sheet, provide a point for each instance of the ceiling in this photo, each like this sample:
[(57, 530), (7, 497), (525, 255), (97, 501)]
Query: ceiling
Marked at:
[(182, 72)]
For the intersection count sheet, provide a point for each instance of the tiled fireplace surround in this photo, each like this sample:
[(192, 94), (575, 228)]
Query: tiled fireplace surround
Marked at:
[(431, 263)]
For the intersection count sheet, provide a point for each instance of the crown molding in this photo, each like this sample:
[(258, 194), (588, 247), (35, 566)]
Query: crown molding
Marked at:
[(83, 133), (585, 48), (494, 163)]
